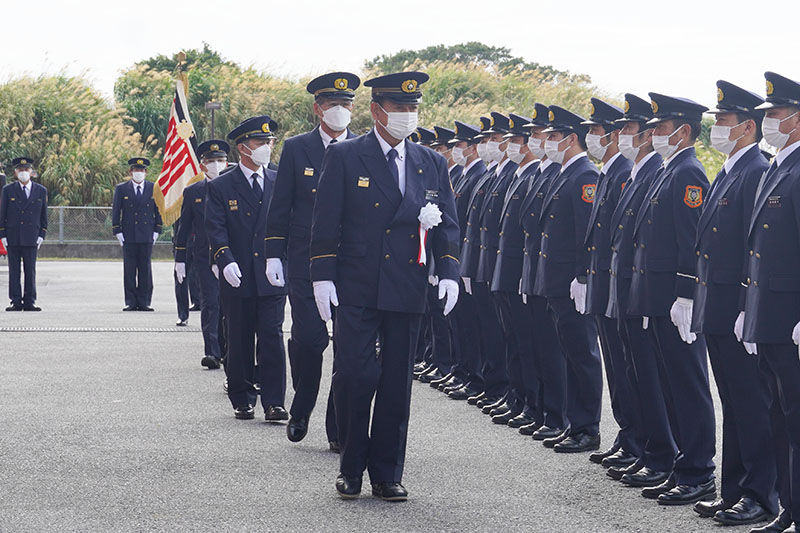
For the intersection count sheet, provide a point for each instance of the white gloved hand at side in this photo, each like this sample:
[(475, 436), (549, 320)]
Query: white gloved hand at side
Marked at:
[(155, 237), (467, 285), (180, 272), (325, 296), (449, 288), (681, 315), (796, 337), (215, 271), (577, 292), (39, 241), (433, 280), (645, 322), (232, 274), (738, 330), (275, 272), (121, 239)]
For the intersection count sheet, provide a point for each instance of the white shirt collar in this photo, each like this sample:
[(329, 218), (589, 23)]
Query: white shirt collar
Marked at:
[(491, 166), (671, 159), (638, 166), (521, 169), (786, 152), (326, 139), (546, 163), (610, 162), (471, 164), (572, 160), (451, 167), (502, 165), (249, 173), (385, 147), (735, 157)]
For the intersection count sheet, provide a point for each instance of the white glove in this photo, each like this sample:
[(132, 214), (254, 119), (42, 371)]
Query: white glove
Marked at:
[(155, 237), (519, 288), (121, 239), (325, 296), (215, 271), (645, 322), (577, 291), (449, 288), (433, 280), (467, 285), (524, 298), (681, 315), (232, 274), (796, 337), (275, 272), (738, 326), (39, 241), (180, 272)]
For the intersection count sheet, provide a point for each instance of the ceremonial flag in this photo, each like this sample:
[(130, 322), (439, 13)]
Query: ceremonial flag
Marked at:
[(181, 167)]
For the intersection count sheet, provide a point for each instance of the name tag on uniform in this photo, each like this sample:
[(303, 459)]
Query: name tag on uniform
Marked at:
[(13, 199), (774, 202), (363, 181), (722, 202), (629, 212), (495, 193), (233, 205), (431, 195), (308, 171), (458, 195), (539, 195), (653, 201), (124, 198), (556, 197), (198, 200), (515, 196), (481, 191)]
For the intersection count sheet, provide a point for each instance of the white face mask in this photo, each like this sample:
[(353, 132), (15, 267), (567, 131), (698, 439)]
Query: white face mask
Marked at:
[(626, 147), (552, 151), (337, 117), (495, 153), (513, 152), (214, 168), (458, 156), (138, 177), (771, 127), (260, 155), (536, 146), (720, 138), (400, 124), (24, 176), (593, 144), (483, 152), (662, 146)]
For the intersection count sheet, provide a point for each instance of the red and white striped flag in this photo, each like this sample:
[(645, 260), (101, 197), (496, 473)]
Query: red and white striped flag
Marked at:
[(181, 167)]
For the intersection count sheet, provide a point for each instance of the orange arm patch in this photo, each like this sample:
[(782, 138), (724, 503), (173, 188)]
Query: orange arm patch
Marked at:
[(694, 196), (588, 191)]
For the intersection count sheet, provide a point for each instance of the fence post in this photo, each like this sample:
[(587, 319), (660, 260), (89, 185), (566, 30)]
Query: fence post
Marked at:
[(61, 224)]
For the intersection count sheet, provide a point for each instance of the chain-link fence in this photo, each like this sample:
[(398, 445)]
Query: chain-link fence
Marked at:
[(85, 224)]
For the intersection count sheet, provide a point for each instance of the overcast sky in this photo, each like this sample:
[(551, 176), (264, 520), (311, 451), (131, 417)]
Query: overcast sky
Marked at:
[(676, 47)]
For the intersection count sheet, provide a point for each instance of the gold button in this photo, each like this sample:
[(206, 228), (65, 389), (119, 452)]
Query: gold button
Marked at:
[(552, 216), (508, 215), (766, 226), (544, 255), (410, 261), (751, 252), (758, 256), (755, 283), (641, 245), (588, 248), (634, 269), (697, 280), (714, 229), (313, 190), (620, 226), (641, 271), (248, 213), (490, 210), (594, 248), (698, 253), (532, 214), (540, 253), (594, 272), (388, 231), (377, 204), (498, 252), (387, 256), (649, 221), (598, 225), (413, 236), (705, 256), (613, 249), (256, 254), (501, 233), (748, 280), (704, 284)]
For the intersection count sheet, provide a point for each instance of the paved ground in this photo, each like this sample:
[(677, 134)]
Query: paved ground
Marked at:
[(123, 431)]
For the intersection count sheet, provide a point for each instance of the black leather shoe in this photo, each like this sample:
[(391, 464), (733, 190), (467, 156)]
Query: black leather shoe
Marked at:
[(14, 307), (427, 377), (334, 446), (686, 494), (489, 407), (597, 457), (297, 429), (473, 400), (182, 323), (428, 369), (489, 400), (504, 418), (462, 393), (616, 472), (621, 458), (499, 410), (390, 492), (709, 509), (781, 523), (529, 429), (791, 529), (210, 362), (436, 382), (745, 511), (195, 307), (451, 384), (347, 487), (146, 308), (244, 413), (31, 307), (546, 432), (582, 442), (551, 442), (646, 477), (275, 413), (652, 493), (126, 308), (522, 419), (225, 385)]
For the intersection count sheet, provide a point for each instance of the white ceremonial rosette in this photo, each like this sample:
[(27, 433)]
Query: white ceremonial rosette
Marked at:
[(429, 217)]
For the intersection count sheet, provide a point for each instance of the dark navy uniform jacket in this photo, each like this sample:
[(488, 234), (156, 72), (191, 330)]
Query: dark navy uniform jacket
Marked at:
[(137, 220), (463, 194), (664, 260), (511, 248), (192, 222), (23, 219), (565, 215), (622, 223), (455, 174), (598, 233), (365, 233), (721, 244), (529, 214), (289, 216), (772, 307), (490, 221), (236, 224), (471, 244)]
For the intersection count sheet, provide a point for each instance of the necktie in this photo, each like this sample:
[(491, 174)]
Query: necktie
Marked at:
[(256, 187), (138, 192), (391, 157), (712, 196), (27, 194), (333, 141)]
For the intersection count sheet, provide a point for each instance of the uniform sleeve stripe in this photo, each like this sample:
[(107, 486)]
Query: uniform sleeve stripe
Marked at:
[(271, 238), (686, 276), (450, 257), (322, 256), (219, 251)]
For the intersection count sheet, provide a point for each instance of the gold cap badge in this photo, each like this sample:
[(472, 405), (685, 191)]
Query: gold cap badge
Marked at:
[(654, 105), (265, 127), (627, 106), (409, 86), (770, 88), (551, 116), (340, 84)]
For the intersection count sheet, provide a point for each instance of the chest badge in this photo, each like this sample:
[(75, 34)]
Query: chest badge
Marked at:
[(774, 202), (233, 205), (363, 181), (694, 196), (722, 202), (198, 200), (308, 171), (431, 195)]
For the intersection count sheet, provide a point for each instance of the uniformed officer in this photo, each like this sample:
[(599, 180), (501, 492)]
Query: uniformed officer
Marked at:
[(523, 403), (662, 289), (23, 227), (772, 307), (236, 219), (549, 358), (367, 256), (654, 436), (213, 156), (603, 144), (748, 492), (184, 292), (288, 236), (136, 222)]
